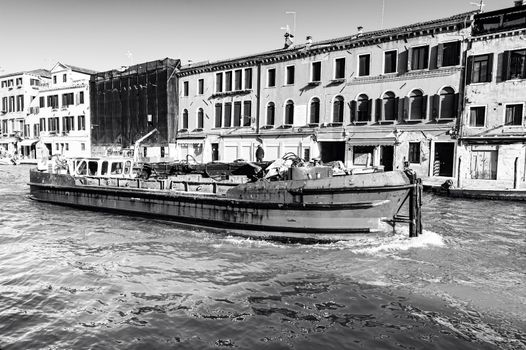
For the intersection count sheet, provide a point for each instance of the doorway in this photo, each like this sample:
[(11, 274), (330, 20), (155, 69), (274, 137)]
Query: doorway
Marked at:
[(386, 157), (444, 158), (331, 151)]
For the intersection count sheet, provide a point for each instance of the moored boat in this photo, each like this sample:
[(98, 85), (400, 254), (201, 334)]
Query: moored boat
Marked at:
[(285, 202), (9, 161)]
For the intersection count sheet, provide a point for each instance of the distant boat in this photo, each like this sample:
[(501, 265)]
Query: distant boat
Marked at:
[(290, 203), (9, 161)]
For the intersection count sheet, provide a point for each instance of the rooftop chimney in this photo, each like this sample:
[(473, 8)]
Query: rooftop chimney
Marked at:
[(289, 40), (519, 2), (360, 30), (309, 40)]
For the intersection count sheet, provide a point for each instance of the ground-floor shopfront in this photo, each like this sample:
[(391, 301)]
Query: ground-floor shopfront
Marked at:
[(493, 163)]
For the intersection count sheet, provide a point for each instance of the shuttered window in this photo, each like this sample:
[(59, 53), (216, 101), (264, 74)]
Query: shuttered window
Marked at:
[(514, 115), (414, 152), (339, 68), (201, 86), (271, 112), (247, 113), (219, 82), (289, 113), (477, 116), (419, 57), (316, 71), (248, 78), (271, 77), (237, 113), (337, 111), (228, 115), (200, 118), (364, 62), (390, 61), (218, 114), (228, 81), (238, 75), (290, 75), (481, 68), (315, 111)]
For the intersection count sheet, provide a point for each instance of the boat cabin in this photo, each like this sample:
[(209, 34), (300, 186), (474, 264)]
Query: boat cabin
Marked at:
[(102, 167)]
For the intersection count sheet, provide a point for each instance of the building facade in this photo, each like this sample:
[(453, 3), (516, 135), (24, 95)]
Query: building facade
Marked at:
[(493, 128), (17, 92), (128, 104), (383, 98), (60, 115)]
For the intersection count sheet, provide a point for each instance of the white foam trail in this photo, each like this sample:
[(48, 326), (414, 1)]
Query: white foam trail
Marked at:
[(397, 242)]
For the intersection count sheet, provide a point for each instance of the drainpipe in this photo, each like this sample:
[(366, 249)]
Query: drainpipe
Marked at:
[(258, 98)]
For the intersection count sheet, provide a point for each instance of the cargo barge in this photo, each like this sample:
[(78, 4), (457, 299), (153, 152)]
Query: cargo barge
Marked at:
[(302, 202)]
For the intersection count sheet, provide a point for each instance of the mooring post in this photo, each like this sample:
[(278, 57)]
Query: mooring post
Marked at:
[(415, 205), (516, 174)]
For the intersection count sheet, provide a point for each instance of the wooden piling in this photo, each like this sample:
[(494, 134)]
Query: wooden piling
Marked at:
[(415, 209)]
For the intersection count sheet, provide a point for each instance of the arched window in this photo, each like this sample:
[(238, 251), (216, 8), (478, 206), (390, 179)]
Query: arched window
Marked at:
[(337, 110), (185, 119), (447, 103), (289, 113), (389, 106), (416, 105), (271, 112), (200, 118), (363, 108), (314, 111)]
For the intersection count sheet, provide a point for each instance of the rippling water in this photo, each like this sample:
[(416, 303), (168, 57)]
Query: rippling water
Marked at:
[(73, 279)]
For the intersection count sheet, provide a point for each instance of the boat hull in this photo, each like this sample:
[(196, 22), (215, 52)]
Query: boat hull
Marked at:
[(307, 215)]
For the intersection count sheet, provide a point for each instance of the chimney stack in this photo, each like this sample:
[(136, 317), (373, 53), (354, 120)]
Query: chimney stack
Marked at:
[(519, 2), (289, 40), (309, 40), (360, 30)]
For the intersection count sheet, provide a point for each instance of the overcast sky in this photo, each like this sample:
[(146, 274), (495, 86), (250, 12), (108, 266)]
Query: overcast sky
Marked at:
[(101, 34)]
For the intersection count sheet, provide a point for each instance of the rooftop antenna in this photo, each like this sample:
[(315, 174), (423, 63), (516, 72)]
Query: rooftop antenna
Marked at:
[(130, 57), (383, 12), (481, 5), (293, 13)]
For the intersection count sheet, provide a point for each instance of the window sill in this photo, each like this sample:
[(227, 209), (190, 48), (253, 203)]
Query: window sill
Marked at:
[(361, 122), (386, 121), (231, 93), (266, 127), (336, 81), (314, 83)]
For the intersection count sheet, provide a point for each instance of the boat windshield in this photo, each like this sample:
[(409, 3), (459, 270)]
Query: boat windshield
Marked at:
[(116, 168), (93, 166), (104, 168)]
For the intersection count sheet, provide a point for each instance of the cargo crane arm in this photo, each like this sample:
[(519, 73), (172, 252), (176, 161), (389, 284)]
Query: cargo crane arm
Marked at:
[(138, 142)]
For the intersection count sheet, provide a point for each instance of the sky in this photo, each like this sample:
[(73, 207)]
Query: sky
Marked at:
[(107, 34)]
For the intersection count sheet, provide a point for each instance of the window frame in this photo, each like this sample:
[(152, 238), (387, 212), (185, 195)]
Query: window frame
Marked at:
[(395, 64), (458, 57), (335, 68), (286, 109), (411, 153), (288, 81), (485, 108), (312, 71), (523, 117), (523, 72), (489, 68), (411, 52), (311, 101), (201, 86), (273, 70), (368, 73)]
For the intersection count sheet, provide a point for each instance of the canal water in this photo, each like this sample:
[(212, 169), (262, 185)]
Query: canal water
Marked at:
[(74, 279)]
